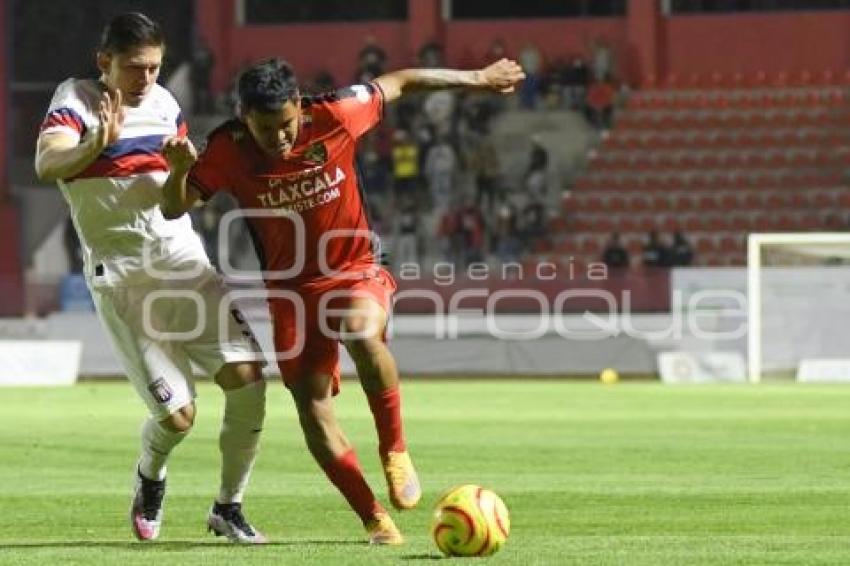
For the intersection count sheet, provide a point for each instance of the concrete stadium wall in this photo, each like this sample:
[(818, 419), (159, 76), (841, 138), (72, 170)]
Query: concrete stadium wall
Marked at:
[(467, 345)]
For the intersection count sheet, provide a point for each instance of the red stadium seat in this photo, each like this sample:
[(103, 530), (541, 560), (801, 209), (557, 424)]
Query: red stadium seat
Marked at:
[(628, 224), (590, 246), (616, 204), (671, 223), (729, 201), (705, 245), (661, 203), (728, 244)]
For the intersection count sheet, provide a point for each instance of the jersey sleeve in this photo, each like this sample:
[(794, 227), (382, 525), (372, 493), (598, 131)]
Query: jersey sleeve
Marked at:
[(359, 108), (67, 112), (181, 128), (181, 125), (210, 173)]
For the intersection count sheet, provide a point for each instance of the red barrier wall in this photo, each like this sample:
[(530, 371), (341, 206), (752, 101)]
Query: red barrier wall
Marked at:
[(11, 274), (645, 42), (788, 41), (5, 58), (316, 47), (467, 42)]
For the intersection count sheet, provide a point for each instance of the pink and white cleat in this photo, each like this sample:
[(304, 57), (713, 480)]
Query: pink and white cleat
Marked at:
[(146, 509)]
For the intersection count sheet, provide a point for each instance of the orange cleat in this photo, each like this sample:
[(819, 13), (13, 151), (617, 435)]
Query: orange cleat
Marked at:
[(382, 530), (402, 481)]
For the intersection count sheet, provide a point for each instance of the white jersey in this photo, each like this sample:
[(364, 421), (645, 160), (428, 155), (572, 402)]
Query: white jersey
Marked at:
[(115, 201)]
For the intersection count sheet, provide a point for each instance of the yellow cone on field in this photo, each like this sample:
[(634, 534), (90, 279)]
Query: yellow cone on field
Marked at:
[(609, 376)]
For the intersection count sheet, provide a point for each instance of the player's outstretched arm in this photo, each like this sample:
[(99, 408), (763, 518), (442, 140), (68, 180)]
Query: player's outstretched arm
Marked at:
[(178, 195), (501, 76), (60, 156)]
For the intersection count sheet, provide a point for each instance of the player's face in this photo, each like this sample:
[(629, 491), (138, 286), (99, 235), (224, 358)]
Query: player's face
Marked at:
[(275, 132), (134, 72)]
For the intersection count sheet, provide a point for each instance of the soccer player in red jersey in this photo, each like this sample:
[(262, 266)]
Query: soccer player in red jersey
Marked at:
[(289, 161)]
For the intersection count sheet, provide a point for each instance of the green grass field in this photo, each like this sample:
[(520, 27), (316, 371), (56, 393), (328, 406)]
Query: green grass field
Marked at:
[(626, 474)]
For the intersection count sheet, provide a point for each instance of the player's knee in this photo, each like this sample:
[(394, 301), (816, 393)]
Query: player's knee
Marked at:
[(237, 375), (181, 420), (368, 326), (313, 413), (363, 349), (246, 406)]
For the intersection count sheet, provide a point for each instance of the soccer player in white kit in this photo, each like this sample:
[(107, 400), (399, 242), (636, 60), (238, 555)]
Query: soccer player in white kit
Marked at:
[(111, 144)]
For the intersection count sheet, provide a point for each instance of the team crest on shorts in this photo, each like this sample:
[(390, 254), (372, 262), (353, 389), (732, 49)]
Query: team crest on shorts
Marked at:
[(317, 153), (161, 391)]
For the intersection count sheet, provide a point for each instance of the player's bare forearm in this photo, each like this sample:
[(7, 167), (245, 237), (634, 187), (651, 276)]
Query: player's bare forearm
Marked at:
[(178, 195), (501, 76), (61, 156), (397, 83)]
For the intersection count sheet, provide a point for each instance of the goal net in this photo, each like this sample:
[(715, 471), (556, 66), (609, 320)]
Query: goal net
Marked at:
[(798, 288)]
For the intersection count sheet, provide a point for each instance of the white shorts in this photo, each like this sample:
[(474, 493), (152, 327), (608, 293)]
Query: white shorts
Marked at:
[(159, 327)]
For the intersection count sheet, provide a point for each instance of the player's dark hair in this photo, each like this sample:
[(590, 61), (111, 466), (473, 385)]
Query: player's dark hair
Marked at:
[(128, 31), (266, 86)]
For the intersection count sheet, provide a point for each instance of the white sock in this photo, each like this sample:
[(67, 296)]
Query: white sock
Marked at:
[(244, 412), (157, 443)]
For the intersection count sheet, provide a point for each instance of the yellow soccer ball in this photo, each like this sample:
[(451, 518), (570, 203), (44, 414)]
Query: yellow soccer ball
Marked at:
[(470, 520), (609, 376)]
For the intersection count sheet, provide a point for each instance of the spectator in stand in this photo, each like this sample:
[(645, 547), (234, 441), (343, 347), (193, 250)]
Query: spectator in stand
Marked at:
[(575, 78), (602, 57), (600, 104), (370, 61), (407, 234), (373, 166), (655, 252), (324, 81), (423, 135), (536, 175), (431, 55), (439, 109), (200, 76), (529, 90), (484, 163), (681, 253), (405, 157), (448, 234), (507, 241), (533, 223), (470, 229), (440, 169), (496, 51), (615, 255)]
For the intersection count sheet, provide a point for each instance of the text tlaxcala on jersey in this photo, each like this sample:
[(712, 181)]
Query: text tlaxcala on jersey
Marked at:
[(316, 185)]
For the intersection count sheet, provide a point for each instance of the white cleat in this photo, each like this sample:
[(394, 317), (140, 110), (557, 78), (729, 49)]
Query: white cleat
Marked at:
[(227, 520)]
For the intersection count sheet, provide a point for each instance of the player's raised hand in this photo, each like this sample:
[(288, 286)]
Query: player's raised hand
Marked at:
[(111, 114), (180, 153), (503, 75)]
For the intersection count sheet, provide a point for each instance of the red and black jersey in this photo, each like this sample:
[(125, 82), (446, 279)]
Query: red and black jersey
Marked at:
[(308, 206)]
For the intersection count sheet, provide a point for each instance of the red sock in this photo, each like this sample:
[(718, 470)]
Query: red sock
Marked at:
[(346, 475), (386, 408)]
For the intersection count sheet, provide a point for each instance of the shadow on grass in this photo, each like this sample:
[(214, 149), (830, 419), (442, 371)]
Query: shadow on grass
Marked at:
[(171, 545), (422, 557)]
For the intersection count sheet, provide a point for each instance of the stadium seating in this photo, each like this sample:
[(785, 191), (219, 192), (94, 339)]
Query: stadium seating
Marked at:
[(717, 156)]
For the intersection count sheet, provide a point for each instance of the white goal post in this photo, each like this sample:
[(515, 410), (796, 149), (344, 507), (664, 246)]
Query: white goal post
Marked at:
[(799, 269)]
